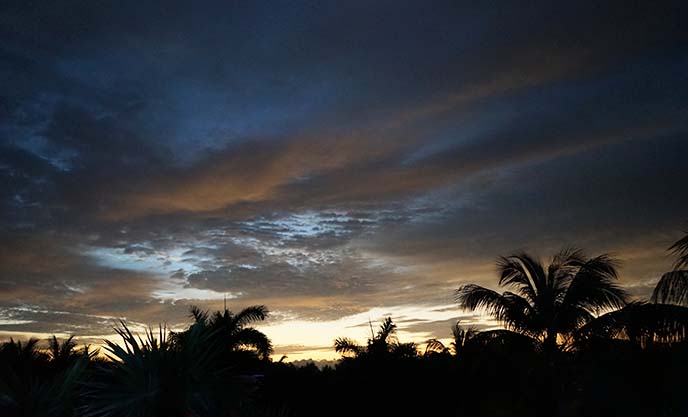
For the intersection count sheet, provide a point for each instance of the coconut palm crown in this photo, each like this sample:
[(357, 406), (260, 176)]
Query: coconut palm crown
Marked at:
[(233, 330), (548, 303)]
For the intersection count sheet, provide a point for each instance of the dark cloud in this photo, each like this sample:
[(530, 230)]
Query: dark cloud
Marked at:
[(326, 158)]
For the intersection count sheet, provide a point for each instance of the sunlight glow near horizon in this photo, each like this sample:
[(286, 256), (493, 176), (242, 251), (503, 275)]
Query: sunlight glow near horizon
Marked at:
[(302, 339)]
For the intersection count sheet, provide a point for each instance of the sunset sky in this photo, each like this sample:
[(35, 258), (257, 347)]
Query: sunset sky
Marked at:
[(335, 161)]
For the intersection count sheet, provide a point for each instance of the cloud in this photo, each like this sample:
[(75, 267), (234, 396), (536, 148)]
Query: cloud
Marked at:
[(326, 159), (46, 282)]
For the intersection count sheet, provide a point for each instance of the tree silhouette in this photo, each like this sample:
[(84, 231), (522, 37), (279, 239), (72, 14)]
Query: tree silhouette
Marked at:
[(680, 249), (663, 320), (193, 372), (383, 344), (61, 352), (232, 331), (641, 323), (672, 288), (461, 338), (64, 354), (32, 383), (549, 303)]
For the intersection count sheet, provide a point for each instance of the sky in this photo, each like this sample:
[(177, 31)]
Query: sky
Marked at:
[(337, 162)]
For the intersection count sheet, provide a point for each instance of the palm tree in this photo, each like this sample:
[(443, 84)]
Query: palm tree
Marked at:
[(232, 331), (680, 249), (672, 288), (383, 344), (548, 303), (641, 323), (61, 352), (64, 354), (31, 386), (461, 338), (663, 320)]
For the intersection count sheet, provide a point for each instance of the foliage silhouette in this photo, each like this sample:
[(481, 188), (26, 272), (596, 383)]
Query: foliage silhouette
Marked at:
[(672, 288), (550, 303), (36, 383), (220, 366), (195, 372), (462, 338), (383, 344), (663, 320), (231, 330), (154, 376), (680, 249), (640, 323)]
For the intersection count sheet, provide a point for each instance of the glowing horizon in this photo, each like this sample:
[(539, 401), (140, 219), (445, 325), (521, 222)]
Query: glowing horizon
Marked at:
[(332, 162)]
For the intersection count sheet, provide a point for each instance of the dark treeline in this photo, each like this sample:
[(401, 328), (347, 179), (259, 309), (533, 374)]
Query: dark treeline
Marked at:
[(572, 344)]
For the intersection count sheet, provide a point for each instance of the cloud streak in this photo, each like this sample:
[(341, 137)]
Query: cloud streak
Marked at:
[(326, 159)]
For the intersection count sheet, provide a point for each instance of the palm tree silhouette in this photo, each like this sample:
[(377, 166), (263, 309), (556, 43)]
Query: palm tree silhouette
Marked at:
[(37, 383), (461, 338), (64, 354), (232, 331), (672, 288), (548, 303), (663, 320), (382, 344), (641, 323), (192, 372)]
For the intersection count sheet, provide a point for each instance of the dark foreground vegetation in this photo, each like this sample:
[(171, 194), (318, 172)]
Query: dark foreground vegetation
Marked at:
[(572, 345)]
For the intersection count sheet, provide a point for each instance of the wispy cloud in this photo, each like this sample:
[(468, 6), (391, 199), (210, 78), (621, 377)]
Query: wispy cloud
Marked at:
[(326, 161)]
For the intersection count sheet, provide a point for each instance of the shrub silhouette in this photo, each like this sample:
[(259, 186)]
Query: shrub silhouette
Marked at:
[(197, 372)]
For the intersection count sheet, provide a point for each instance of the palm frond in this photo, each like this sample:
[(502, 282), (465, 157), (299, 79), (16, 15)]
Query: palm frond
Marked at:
[(53, 347), (672, 288), (250, 314), (522, 272), (509, 308), (29, 349), (255, 339), (567, 258), (31, 387), (563, 268), (345, 346), (151, 376), (512, 340), (61, 352), (680, 249), (404, 350), (461, 336), (199, 316), (88, 352), (593, 287), (434, 346), (640, 323), (387, 329)]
